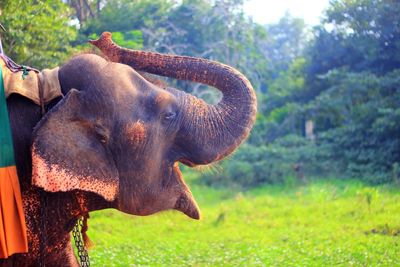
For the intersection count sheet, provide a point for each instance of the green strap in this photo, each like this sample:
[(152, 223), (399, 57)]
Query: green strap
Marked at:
[(25, 72), (6, 143)]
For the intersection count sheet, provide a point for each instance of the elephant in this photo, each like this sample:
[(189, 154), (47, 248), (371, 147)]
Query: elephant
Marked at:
[(115, 140)]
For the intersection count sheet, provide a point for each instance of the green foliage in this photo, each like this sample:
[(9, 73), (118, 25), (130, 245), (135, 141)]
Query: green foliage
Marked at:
[(370, 29), (252, 165), (325, 223), (396, 173), (362, 35), (290, 81), (347, 83), (363, 122), (38, 32), (131, 39), (125, 16), (285, 43)]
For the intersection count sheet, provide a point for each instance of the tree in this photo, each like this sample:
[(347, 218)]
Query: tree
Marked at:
[(85, 9), (348, 85), (285, 42), (352, 86), (38, 32), (361, 35)]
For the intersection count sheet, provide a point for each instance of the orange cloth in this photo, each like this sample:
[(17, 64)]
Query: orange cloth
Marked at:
[(12, 221), (13, 238)]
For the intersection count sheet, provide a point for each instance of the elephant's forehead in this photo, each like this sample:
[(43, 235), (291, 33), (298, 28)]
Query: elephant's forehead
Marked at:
[(124, 83)]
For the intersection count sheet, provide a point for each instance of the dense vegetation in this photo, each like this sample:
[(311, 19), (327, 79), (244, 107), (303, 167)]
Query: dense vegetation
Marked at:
[(341, 77)]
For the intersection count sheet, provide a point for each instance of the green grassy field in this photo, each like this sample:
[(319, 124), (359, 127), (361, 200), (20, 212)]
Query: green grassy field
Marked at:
[(324, 223)]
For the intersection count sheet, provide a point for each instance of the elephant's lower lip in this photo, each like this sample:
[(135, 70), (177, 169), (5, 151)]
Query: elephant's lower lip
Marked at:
[(188, 206), (193, 214)]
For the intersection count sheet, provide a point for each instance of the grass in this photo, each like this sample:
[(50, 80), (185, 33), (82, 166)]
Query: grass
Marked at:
[(324, 223)]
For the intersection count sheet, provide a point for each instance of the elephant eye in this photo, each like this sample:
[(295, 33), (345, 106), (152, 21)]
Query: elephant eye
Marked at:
[(101, 134), (168, 116)]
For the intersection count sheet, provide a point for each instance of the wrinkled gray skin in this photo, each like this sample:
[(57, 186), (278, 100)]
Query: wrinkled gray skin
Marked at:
[(119, 129), (119, 139)]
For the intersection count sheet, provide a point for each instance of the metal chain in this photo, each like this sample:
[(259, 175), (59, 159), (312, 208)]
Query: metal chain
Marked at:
[(82, 251), (76, 233)]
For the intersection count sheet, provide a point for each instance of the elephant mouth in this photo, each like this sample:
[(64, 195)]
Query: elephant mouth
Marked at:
[(188, 206)]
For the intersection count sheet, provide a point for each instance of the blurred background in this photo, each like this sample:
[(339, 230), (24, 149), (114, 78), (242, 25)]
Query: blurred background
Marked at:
[(317, 182)]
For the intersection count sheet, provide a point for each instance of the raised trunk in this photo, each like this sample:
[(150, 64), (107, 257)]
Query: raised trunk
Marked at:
[(208, 132)]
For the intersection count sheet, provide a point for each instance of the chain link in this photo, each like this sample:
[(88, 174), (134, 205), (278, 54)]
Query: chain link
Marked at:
[(82, 251), (76, 233)]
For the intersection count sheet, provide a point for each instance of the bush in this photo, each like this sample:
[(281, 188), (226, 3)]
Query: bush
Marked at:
[(254, 165)]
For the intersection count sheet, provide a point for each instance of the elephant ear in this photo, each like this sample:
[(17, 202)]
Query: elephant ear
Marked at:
[(67, 153)]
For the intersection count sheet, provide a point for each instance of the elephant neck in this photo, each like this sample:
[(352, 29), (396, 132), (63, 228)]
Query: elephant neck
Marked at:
[(50, 221)]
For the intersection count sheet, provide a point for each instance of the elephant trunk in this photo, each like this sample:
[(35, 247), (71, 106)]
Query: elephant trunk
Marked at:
[(208, 132)]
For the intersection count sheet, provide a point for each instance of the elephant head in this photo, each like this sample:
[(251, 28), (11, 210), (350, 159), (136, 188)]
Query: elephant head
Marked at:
[(120, 136)]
